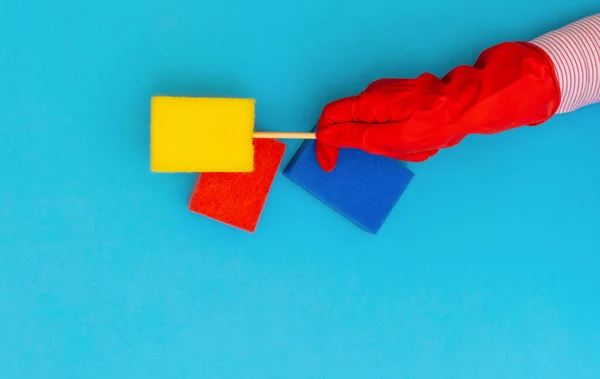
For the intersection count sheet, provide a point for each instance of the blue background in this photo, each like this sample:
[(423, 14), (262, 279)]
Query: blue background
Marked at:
[(487, 268)]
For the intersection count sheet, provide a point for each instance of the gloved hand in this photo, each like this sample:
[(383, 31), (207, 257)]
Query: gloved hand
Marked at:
[(512, 84)]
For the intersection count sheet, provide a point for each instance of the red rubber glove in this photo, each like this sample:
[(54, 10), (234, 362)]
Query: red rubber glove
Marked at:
[(512, 84)]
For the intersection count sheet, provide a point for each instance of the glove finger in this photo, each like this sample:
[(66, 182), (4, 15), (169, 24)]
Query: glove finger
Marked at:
[(410, 136), (375, 139), (352, 135), (453, 141), (381, 83), (349, 135), (391, 85), (368, 108), (338, 111), (327, 156), (413, 157), (387, 139)]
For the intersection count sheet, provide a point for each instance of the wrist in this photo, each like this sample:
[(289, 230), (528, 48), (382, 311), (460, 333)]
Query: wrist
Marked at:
[(574, 51), (516, 86)]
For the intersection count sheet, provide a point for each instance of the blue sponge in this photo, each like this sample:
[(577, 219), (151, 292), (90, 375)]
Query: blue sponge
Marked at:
[(363, 188)]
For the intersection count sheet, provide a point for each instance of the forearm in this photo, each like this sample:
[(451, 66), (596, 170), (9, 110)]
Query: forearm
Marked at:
[(575, 52), (511, 85)]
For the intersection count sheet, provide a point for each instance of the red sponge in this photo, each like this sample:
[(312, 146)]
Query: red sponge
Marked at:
[(237, 199)]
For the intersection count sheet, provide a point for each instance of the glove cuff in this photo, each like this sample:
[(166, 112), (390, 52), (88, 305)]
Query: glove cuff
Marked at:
[(575, 53)]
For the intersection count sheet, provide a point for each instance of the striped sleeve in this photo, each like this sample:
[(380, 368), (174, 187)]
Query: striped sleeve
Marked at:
[(575, 51)]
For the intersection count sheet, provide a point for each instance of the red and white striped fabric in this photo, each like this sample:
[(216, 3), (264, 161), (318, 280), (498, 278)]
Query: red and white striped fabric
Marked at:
[(575, 52)]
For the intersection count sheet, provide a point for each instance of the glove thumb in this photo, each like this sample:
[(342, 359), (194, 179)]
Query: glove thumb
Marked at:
[(327, 156), (332, 137)]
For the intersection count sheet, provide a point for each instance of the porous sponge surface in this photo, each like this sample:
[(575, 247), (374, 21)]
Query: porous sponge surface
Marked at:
[(201, 134), (364, 188), (237, 199)]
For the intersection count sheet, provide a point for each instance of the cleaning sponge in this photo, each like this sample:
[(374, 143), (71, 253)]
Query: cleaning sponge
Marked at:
[(363, 187), (237, 199), (201, 134)]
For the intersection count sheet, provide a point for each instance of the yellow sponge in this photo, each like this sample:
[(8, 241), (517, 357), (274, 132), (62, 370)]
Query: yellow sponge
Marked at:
[(201, 134)]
